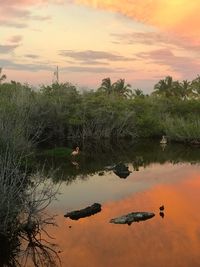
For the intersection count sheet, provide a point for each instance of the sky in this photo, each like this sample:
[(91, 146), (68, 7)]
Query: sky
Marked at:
[(89, 40)]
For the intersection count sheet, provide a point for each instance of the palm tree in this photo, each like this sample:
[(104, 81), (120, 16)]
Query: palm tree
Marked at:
[(2, 76), (106, 86), (121, 88), (138, 93), (195, 86), (164, 87), (186, 89)]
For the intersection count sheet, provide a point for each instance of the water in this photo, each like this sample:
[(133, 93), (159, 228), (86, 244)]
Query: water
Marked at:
[(169, 177)]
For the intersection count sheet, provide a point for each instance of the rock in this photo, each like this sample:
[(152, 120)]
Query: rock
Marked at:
[(121, 170), (132, 217), (109, 168), (88, 211)]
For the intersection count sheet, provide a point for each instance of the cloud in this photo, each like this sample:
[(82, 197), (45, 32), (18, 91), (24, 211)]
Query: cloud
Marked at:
[(180, 17), (38, 66), (12, 24), (7, 48), (15, 38), (29, 2), (155, 38), (147, 38), (5, 63), (94, 69), (41, 18), (93, 57), (14, 14), (21, 2), (182, 64), (32, 56)]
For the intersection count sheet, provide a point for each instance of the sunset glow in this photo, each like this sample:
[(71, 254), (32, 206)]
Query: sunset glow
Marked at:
[(99, 243), (93, 39)]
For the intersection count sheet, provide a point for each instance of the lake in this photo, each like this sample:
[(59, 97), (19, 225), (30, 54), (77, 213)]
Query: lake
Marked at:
[(166, 176)]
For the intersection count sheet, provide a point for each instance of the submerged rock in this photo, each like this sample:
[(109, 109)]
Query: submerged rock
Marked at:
[(132, 217), (121, 170), (88, 211)]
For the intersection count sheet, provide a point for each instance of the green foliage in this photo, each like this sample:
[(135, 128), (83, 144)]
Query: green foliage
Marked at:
[(183, 129), (119, 88), (2, 76), (174, 89), (17, 130), (55, 113)]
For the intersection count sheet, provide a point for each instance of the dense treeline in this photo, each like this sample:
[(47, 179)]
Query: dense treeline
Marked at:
[(58, 112)]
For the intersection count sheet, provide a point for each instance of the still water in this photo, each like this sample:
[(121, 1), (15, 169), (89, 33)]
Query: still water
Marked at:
[(168, 176)]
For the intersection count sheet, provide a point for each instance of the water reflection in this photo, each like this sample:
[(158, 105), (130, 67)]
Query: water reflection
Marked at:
[(168, 178), (96, 158), (23, 221), (162, 215), (174, 241)]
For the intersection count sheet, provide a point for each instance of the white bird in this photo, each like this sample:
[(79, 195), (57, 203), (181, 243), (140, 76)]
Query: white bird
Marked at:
[(76, 151), (163, 140)]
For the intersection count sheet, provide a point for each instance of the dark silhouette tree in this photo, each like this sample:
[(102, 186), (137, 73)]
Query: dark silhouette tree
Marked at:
[(122, 89), (106, 86), (164, 87)]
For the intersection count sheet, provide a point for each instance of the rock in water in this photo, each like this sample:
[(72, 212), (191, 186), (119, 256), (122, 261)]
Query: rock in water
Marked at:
[(88, 211), (132, 217), (121, 170)]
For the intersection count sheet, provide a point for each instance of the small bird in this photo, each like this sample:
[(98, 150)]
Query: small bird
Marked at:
[(76, 151), (162, 207), (163, 140), (162, 214)]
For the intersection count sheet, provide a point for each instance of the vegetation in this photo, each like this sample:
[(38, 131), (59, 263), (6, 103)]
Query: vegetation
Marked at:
[(56, 113), (24, 194)]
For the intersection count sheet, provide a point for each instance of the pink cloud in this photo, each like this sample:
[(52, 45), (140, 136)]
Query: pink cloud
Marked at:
[(15, 39), (185, 66), (156, 38), (177, 17), (18, 13)]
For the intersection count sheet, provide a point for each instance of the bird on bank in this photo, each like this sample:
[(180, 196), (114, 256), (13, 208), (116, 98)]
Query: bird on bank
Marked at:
[(76, 151), (163, 140)]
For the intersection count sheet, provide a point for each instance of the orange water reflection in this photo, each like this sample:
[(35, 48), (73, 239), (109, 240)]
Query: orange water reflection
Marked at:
[(170, 241)]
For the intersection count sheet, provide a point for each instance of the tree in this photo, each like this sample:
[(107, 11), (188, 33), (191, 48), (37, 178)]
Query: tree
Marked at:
[(2, 76), (164, 87), (106, 86), (195, 86), (185, 89), (138, 93), (121, 88)]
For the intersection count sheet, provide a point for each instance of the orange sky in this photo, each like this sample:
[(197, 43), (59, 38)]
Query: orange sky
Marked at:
[(141, 41)]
